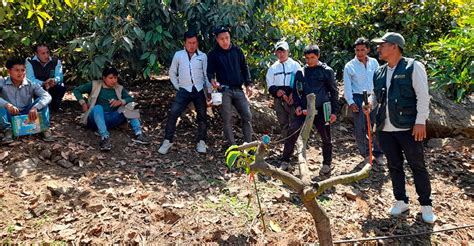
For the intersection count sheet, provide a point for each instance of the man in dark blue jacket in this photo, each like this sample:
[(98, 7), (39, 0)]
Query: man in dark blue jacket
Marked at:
[(318, 78), (227, 69)]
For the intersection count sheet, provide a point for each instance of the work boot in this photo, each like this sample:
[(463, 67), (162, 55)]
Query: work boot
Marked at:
[(325, 169), (7, 136)]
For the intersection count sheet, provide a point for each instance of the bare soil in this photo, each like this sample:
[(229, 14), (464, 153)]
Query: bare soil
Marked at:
[(133, 194)]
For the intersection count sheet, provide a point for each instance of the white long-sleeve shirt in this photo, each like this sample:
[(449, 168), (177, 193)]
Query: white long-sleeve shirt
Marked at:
[(187, 72), (420, 86), (359, 77), (280, 74)]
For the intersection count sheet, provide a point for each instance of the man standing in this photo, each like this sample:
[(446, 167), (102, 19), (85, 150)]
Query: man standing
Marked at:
[(358, 76), (188, 75), (318, 78), (401, 89), (228, 70), (46, 71), (280, 78), (17, 98)]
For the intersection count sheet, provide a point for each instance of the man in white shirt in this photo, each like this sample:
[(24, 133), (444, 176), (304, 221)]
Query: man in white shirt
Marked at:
[(401, 89), (358, 76), (188, 76), (280, 78)]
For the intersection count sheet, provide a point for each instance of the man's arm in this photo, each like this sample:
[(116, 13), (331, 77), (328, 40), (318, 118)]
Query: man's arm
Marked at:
[(211, 66), (126, 98), (30, 74), (207, 84), (332, 88), (347, 85), (44, 97), (420, 85), (244, 69), (173, 72), (272, 89), (82, 89)]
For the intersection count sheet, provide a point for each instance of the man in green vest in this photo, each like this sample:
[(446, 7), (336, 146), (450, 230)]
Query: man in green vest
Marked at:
[(401, 90)]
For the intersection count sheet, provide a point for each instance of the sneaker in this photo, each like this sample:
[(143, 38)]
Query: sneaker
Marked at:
[(141, 139), (7, 137), (285, 166), (165, 147), (427, 214), (201, 147), (398, 208), (325, 169), (47, 136), (105, 144)]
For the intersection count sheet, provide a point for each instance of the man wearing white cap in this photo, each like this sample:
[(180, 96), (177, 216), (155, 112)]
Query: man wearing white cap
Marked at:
[(280, 78), (401, 89)]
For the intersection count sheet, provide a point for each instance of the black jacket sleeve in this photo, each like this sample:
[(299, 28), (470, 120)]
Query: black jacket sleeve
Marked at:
[(298, 97), (211, 66), (244, 69), (331, 86)]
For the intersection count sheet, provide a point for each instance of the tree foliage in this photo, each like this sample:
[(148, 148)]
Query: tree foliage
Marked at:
[(140, 36)]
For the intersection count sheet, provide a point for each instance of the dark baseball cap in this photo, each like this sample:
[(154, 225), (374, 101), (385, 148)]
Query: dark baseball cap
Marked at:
[(391, 37)]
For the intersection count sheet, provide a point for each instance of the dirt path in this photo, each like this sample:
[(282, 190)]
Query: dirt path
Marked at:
[(134, 194)]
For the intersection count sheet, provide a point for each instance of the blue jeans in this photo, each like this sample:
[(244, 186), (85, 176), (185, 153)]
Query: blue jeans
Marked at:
[(100, 120), (5, 116), (360, 130)]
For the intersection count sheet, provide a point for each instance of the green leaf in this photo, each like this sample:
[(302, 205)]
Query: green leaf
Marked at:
[(68, 3), (274, 226), (231, 158), (145, 55), (40, 22), (152, 59)]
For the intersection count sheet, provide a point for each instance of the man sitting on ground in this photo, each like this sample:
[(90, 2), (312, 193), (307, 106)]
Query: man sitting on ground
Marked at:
[(17, 98), (108, 106)]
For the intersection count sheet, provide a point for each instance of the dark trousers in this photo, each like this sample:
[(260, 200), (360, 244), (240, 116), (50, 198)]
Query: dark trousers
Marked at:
[(323, 130), (285, 114), (57, 93), (237, 98), (181, 101), (395, 145), (360, 130)]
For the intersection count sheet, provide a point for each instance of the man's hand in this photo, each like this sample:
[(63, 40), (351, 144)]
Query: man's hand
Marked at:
[(214, 84), (249, 90), (298, 111), (85, 107), (49, 83), (419, 132), (33, 114), (280, 93), (354, 108), (115, 103), (12, 109), (333, 118), (367, 108), (290, 99)]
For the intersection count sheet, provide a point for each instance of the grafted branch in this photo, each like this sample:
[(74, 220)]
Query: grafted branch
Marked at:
[(307, 190)]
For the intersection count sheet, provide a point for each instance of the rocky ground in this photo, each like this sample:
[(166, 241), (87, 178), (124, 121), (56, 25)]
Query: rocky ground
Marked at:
[(68, 191)]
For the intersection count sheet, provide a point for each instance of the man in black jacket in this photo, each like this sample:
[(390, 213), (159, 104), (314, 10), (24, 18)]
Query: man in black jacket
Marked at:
[(318, 78), (227, 70)]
